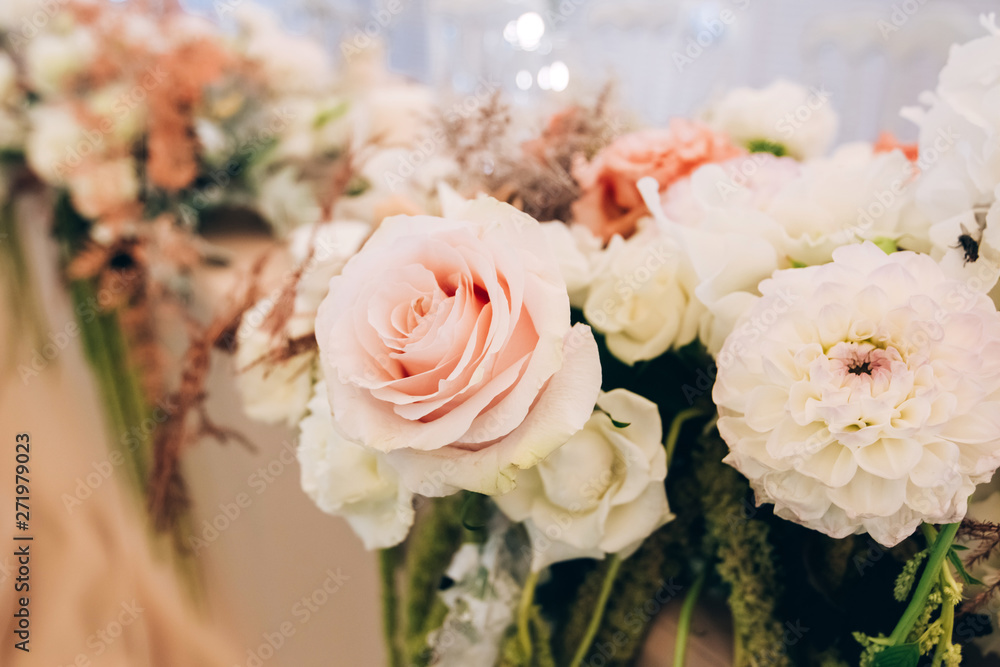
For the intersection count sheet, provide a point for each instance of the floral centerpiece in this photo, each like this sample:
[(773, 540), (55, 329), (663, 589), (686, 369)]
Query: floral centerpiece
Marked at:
[(550, 378)]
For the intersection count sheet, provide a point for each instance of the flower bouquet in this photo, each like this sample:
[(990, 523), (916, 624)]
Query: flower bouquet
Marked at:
[(710, 359), (563, 379)]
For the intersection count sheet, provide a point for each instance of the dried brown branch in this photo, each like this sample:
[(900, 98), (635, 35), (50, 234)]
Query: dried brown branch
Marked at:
[(535, 176), (167, 493)]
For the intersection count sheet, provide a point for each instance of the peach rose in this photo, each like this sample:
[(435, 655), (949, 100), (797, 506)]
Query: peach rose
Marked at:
[(100, 189), (447, 343), (611, 203)]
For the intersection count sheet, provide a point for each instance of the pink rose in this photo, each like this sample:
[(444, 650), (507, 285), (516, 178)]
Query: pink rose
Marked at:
[(610, 203), (447, 343)]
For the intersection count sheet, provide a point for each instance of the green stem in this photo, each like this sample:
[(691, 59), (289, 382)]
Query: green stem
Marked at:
[(931, 572), (675, 429), (684, 623), (614, 562), (524, 614), (947, 616), (388, 560)]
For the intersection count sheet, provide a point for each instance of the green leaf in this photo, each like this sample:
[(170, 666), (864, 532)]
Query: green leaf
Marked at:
[(959, 547), (796, 264), (886, 244), (767, 146), (904, 655), (332, 113), (615, 422), (960, 568)]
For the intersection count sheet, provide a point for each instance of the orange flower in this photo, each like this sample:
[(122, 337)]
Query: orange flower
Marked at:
[(173, 146), (611, 203), (561, 125), (887, 141)]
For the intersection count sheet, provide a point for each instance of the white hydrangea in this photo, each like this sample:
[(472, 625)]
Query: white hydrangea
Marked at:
[(346, 479), (864, 394), (602, 492)]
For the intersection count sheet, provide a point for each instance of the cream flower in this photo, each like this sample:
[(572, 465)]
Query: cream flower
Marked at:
[(322, 250), (310, 127), (448, 344), (579, 256), (864, 395), (272, 392), (10, 92), (348, 480), (290, 64), (52, 59), (740, 221), (643, 298), (104, 187), (960, 129), (785, 113), (55, 141), (600, 493), (287, 201), (968, 247), (408, 176)]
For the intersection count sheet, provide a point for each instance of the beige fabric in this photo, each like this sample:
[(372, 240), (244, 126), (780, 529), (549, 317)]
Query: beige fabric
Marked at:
[(98, 594)]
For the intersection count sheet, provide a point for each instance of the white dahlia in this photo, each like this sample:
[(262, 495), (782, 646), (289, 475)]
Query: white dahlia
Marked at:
[(864, 395)]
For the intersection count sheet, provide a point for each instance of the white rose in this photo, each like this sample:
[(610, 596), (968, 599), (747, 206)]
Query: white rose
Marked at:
[(349, 480), (14, 17), (643, 300), (54, 135), (397, 114), (311, 127), (864, 394), (12, 130), (331, 244), (287, 201), (600, 493), (578, 253), (9, 91), (126, 123), (272, 392), (291, 64), (785, 113), (52, 58)]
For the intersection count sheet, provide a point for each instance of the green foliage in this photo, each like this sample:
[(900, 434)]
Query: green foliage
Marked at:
[(512, 653), (906, 578), (745, 558), (433, 541)]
